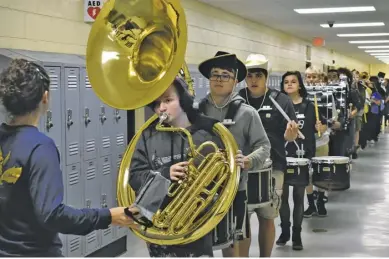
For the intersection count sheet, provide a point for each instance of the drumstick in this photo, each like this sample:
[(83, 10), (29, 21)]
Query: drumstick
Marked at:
[(317, 113), (285, 115)]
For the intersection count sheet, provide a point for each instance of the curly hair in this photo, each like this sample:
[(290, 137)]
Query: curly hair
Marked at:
[(22, 85)]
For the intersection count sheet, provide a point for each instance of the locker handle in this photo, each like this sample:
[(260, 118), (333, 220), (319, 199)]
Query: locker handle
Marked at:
[(69, 118), (49, 121), (117, 115), (103, 118), (86, 116), (104, 201)]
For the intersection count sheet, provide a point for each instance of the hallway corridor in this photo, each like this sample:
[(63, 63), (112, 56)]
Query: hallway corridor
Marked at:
[(357, 221)]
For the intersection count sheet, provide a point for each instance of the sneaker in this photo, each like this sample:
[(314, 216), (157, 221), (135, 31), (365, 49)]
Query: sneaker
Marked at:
[(296, 239), (321, 209), (311, 211)]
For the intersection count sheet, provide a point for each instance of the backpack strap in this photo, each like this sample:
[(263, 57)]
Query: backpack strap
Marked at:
[(233, 108), (202, 105), (304, 106)]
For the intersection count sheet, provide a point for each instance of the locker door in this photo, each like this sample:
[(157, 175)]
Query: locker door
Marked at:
[(74, 186), (72, 110), (107, 195), (119, 231), (120, 126), (106, 129), (92, 200), (89, 118), (52, 121)]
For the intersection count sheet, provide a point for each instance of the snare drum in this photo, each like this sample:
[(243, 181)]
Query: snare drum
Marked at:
[(297, 172), (223, 234), (259, 187), (331, 172)]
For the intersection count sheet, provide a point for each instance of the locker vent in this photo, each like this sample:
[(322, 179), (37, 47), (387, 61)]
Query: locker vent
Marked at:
[(92, 237), (120, 140), (53, 79), (106, 142), (72, 81), (74, 178), (90, 145), (108, 231), (73, 149), (87, 83), (106, 168), (75, 244), (90, 173)]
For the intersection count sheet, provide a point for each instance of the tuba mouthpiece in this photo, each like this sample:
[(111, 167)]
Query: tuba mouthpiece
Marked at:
[(163, 117)]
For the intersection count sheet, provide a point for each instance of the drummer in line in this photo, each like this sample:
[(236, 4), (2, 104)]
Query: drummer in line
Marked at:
[(322, 149), (309, 123), (278, 129)]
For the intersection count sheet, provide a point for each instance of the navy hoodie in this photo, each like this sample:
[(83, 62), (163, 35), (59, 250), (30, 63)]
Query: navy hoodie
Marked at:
[(32, 212)]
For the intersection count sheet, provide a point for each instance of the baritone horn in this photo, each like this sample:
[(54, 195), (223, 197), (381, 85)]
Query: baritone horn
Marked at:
[(135, 50)]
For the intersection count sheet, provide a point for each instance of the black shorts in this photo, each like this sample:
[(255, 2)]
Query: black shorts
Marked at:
[(241, 215)]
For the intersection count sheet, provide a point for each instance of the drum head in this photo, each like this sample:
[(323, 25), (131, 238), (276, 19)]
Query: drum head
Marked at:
[(331, 159), (297, 161)]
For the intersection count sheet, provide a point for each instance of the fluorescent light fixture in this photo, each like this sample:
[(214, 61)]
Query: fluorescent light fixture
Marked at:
[(363, 34), (336, 10), (377, 51), (380, 55), (374, 47), (368, 41), (348, 25)]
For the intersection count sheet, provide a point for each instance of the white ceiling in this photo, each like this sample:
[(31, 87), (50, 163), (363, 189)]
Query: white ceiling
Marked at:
[(279, 14)]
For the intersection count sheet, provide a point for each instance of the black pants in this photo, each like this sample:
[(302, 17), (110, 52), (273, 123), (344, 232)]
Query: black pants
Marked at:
[(298, 208), (337, 145)]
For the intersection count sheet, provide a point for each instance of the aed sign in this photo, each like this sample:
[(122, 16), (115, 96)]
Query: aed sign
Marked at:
[(92, 8)]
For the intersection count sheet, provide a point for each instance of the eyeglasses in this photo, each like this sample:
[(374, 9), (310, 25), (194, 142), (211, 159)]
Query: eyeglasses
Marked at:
[(223, 78)]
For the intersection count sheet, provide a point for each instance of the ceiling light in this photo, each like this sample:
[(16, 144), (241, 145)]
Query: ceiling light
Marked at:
[(347, 25), (335, 10), (377, 51), (368, 41), (380, 55), (363, 34), (374, 47)]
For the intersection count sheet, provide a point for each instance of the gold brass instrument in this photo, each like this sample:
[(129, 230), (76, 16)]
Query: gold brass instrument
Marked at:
[(135, 49)]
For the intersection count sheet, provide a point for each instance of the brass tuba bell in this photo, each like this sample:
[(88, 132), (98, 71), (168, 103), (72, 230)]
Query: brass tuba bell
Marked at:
[(135, 49)]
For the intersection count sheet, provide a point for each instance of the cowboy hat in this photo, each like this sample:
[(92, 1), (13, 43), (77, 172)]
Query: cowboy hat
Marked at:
[(223, 59)]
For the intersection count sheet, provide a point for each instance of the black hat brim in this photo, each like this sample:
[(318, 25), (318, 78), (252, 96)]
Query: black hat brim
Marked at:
[(228, 60)]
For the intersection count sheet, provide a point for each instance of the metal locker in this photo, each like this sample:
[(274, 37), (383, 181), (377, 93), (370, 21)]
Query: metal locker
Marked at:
[(117, 159), (106, 130), (64, 244), (74, 187), (120, 126), (89, 118), (92, 200), (72, 109), (107, 195), (52, 121)]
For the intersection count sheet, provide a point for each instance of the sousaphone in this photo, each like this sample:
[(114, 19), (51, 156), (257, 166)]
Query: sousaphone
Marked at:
[(135, 49)]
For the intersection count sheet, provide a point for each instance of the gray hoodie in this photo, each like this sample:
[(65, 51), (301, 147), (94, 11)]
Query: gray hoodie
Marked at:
[(248, 132), (155, 149)]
